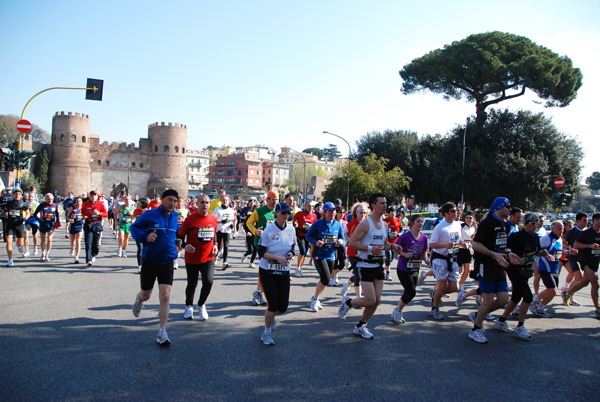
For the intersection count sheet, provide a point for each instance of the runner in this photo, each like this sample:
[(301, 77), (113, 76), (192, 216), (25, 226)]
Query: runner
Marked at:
[(142, 206), (47, 214), (125, 212), (588, 243), (525, 244), (514, 219), (94, 212), (465, 253), (155, 203), (394, 225), (567, 294), (75, 219), (490, 252), (250, 248), (324, 234), (276, 249), (414, 245), (303, 221), (156, 229), (197, 237), (32, 224), (15, 213), (183, 213), (66, 205), (445, 242), (225, 218), (359, 212), (340, 251), (260, 219), (216, 202), (369, 240)]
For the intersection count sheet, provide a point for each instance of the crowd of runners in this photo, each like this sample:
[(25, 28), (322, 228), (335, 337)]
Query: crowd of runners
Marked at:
[(502, 254)]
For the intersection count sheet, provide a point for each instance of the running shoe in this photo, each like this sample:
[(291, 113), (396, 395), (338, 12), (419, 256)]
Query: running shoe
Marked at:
[(460, 298), (35, 251), (436, 315), (175, 264), (137, 307), (188, 314), (387, 276), (336, 279), (473, 316), (163, 338), (521, 332), (47, 257), (397, 316), (225, 266), (262, 300), (332, 282), (502, 326), (43, 256), (26, 253), (243, 259), (313, 304), (541, 312), (478, 299), (124, 254), (573, 302), (10, 263), (478, 336), (266, 339), (66, 236), (20, 249), (422, 277), (298, 273), (256, 296), (72, 252), (345, 287), (93, 259), (533, 307), (515, 312), (565, 298), (251, 265), (203, 313), (76, 261), (343, 310), (139, 269), (363, 332), (597, 314), (490, 317)]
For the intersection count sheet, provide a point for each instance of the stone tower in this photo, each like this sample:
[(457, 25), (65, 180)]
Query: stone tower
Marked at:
[(70, 150), (168, 166)]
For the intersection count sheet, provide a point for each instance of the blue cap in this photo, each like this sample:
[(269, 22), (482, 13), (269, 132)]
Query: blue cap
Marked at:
[(500, 203), (282, 207), (329, 206)]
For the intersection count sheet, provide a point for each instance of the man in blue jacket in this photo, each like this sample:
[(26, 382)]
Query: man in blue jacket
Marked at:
[(156, 229)]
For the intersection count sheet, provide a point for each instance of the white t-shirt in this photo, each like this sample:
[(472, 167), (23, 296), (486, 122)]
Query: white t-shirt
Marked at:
[(445, 232), (277, 242), (227, 214)]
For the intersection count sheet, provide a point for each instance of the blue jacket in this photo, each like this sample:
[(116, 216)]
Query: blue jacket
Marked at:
[(162, 250), (321, 230)]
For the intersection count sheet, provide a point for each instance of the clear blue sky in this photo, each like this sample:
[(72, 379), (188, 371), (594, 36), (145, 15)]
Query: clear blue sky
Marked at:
[(272, 72)]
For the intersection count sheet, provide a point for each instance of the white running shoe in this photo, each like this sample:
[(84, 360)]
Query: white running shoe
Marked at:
[(343, 309), (175, 264), (76, 260), (332, 282), (120, 252), (163, 339), (256, 296), (422, 277), (363, 332), (93, 259), (10, 263), (251, 265), (72, 252), (298, 273), (267, 339), (262, 299), (478, 336), (35, 251), (243, 259), (20, 249), (397, 316), (137, 307), (139, 269), (502, 326), (188, 314), (43, 256), (515, 312), (521, 332), (225, 266), (203, 313), (124, 254), (313, 304), (26, 253), (345, 287), (460, 298)]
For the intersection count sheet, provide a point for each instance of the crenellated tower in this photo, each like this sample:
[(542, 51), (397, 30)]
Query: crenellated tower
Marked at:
[(168, 166), (70, 153)]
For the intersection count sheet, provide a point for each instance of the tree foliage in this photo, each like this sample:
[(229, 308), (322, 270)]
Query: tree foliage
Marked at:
[(368, 178), (40, 168), (331, 152), (9, 134), (593, 181), (491, 67), (300, 180), (318, 152)]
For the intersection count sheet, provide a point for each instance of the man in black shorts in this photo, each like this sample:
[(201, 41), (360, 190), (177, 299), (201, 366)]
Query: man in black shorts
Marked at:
[(588, 244), (156, 229), (15, 212), (570, 237)]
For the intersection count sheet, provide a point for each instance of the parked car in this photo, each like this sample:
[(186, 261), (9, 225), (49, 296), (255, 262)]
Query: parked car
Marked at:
[(428, 226)]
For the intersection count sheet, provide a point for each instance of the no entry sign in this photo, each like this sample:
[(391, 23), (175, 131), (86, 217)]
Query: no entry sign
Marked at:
[(23, 126), (559, 182)]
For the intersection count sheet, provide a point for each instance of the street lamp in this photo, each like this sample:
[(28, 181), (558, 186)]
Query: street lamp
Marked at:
[(349, 153)]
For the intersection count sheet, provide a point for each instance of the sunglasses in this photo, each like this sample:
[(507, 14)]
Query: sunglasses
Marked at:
[(452, 210)]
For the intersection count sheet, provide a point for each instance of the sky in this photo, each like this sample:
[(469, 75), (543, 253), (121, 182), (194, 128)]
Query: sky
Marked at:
[(275, 73)]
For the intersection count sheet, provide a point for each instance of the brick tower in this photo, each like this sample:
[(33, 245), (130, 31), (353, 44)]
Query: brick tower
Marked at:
[(168, 167)]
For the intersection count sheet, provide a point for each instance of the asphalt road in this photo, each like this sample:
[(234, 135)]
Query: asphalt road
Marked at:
[(68, 334)]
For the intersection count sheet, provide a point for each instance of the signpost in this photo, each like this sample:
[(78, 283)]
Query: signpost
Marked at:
[(559, 182), (23, 126)]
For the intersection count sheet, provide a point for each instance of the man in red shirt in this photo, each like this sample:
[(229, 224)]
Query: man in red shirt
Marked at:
[(155, 202), (197, 237), (93, 212), (394, 229), (303, 219)]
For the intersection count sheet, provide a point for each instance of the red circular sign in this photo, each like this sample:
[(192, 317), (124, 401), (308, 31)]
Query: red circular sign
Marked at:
[(23, 126), (559, 182)]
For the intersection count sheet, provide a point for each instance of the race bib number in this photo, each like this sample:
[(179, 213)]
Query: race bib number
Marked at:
[(393, 235), (94, 217), (414, 263), (453, 250), (269, 221), (596, 251), (529, 258), (306, 226), (14, 213), (127, 219), (206, 234), (276, 266), (501, 240), (329, 240), (77, 217), (48, 216)]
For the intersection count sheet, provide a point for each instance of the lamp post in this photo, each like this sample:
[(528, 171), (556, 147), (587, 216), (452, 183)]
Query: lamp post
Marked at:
[(464, 149), (349, 152)]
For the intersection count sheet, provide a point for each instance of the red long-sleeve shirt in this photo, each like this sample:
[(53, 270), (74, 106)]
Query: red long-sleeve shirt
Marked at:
[(88, 207)]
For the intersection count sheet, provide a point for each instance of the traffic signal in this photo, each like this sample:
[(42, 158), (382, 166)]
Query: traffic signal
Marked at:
[(556, 200), (24, 158), (9, 158), (565, 199)]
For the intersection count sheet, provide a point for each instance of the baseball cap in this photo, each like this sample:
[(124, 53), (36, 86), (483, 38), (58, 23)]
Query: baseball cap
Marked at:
[(282, 207), (273, 194), (17, 190), (93, 192), (337, 201), (329, 206)]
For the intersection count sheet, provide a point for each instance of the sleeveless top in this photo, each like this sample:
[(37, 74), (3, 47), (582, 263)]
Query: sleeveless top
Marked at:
[(375, 237)]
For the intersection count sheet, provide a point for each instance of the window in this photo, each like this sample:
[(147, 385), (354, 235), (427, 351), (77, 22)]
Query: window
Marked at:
[(132, 164), (99, 162), (141, 165), (239, 172), (107, 163), (62, 137), (276, 172), (176, 149), (73, 138), (83, 139), (230, 173), (156, 148), (166, 148), (182, 150)]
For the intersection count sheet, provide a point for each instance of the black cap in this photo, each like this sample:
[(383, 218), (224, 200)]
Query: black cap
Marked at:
[(282, 207), (170, 192)]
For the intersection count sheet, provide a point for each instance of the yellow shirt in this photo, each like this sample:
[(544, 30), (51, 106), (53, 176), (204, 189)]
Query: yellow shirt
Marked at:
[(214, 205)]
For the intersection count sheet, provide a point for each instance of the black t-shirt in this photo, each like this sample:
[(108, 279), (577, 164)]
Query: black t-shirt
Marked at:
[(492, 233), (524, 245), (588, 256), (16, 210), (571, 235)]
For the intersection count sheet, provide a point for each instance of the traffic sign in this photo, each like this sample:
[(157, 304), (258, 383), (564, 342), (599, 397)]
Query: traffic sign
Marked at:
[(24, 126), (559, 182)]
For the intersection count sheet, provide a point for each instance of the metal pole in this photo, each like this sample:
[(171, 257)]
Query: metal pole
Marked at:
[(349, 153), (462, 191)]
